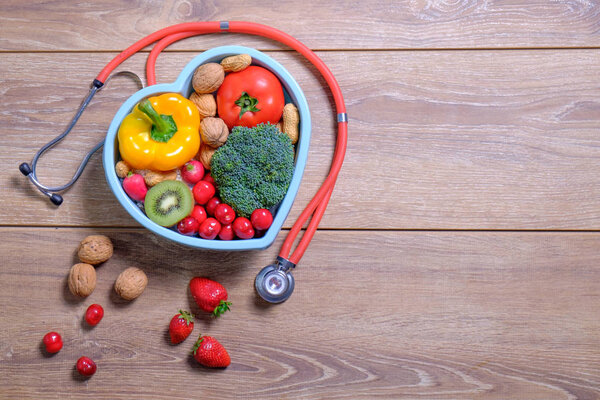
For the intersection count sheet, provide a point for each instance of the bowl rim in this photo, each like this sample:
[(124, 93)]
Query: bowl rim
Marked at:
[(183, 85)]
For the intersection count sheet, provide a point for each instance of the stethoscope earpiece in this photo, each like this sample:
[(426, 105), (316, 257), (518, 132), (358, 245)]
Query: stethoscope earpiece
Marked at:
[(275, 282)]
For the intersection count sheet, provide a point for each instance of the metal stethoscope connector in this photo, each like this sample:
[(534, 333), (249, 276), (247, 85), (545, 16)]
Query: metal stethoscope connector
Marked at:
[(275, 283)]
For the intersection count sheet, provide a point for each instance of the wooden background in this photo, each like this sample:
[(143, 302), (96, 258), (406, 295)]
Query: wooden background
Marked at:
[(458, 258)]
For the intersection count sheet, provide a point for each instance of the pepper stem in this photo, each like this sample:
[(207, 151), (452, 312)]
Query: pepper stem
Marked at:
[(163, 126), (246, 103)]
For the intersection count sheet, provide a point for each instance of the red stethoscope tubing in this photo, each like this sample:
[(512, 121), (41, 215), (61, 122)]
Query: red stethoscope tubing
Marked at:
[(316, 207)]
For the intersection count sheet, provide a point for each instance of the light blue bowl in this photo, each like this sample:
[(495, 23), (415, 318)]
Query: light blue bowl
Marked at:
[(183, 85)]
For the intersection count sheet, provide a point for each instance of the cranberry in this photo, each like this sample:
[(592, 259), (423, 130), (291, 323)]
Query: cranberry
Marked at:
[(53, 342), (261, 219), (209, 229), (226, 232), (86, 366), (94, 314), (224, 214), (211, 205), (243, 228), (203, 191), (199, 213), (188, 226)]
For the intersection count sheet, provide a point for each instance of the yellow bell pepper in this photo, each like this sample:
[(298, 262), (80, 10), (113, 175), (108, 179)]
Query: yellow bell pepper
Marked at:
[(161, 133)]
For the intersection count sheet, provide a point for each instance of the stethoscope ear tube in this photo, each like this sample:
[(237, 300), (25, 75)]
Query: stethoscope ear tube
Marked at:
[(30, 170)]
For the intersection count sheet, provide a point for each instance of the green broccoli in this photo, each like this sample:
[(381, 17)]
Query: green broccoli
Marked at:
[(254, 167)]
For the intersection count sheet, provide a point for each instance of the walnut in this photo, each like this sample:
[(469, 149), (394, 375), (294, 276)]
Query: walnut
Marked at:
[(214, 131), (205, 155), (131, 283), (208, 77), (95, 249), (82, 279), (206, 104)]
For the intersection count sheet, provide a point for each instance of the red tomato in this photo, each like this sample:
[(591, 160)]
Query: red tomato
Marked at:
[(203, 191), (224, 214), (211, 206), (86, 366), (188, 226), (243, 228), (53, 342), (226, 232), (94, 314), (261, 219), (250, 97), (199, 213), (209, 229)]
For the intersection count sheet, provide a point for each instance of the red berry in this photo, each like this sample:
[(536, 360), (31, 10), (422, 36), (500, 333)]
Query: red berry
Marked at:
[(203, 191), (226, 232), (208, 178), (199, 213), (224, 214), (192, 171), (210, 353), (53, 342), (135, 187), (181, 326), (243, 228), (86, 366), (209, 229), (211, 205), (188, 226), (94, 314), (261, 219)]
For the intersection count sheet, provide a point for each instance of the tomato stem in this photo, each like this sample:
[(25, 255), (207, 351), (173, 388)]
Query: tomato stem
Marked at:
[(246, 103)]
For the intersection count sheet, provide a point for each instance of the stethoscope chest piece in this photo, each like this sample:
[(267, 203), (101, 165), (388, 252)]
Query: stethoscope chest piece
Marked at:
[(275, 283)]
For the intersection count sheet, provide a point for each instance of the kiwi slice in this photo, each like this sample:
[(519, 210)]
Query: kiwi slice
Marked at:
[(168, 202)]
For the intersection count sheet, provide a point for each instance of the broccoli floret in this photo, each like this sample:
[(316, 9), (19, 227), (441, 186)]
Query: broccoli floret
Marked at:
[(254, 167)]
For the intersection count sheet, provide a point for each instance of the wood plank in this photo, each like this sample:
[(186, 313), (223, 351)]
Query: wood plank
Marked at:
[(437, 315), (406, 24), (438, 140)]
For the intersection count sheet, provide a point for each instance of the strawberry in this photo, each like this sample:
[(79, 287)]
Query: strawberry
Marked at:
[(181, 326), (210, 353), (211, 296)]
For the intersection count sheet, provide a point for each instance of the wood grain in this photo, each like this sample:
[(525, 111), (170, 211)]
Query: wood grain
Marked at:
[(438, 140), (380, 24), (435, 315)]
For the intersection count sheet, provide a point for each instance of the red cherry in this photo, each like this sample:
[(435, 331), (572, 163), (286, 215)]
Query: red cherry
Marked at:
[(203, 191), (209, 229), (188, 226), (199, 213), (53, 342), (261, 219), (211, 205), (226, 232), (243, 228), (224, 214), (86, 366), (94, 314)]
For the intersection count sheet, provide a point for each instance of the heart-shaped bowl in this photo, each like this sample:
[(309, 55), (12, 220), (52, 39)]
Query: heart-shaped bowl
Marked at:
[(183, 85)]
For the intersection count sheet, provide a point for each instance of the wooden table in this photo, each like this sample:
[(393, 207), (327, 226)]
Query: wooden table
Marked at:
[(458, 258)]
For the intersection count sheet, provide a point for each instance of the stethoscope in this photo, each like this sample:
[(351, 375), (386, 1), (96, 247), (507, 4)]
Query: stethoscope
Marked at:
[(275, 282)]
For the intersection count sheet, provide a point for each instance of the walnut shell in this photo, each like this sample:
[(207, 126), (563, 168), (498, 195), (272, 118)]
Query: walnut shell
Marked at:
[(205, 155), (95, 249), (206, 104), (236, 63), (214, 131), (208, 77), (131, 283), (82, 279)]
